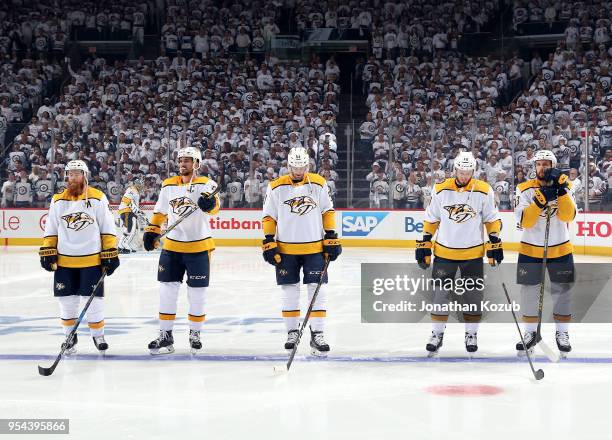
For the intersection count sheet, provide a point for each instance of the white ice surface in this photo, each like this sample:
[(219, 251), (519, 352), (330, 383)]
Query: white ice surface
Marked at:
[(374, 385)]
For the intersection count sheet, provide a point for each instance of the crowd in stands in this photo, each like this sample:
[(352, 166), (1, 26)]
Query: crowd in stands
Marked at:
[(418, 27), (244, 116), (208, 28)]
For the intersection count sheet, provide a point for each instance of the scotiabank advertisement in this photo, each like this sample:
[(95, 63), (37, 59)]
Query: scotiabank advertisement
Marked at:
[(379, 227)]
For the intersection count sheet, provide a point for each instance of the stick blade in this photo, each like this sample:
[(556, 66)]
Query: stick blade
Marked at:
[(280, 369), (550, 353), (45, 371)]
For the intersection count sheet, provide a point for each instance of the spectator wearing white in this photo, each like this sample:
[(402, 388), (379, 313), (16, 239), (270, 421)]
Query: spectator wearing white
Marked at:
[(23, 193), (8, 191), (243, 41), (414, 193), (398, 191)]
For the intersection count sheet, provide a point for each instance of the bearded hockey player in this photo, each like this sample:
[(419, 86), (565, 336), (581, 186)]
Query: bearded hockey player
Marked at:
[(187, 248), (79, 243), (550, 193), (299, 226), (129, 212), (459, 208)]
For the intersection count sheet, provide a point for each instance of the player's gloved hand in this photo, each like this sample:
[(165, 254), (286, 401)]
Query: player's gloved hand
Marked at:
[(423, 251), (331, 245), (110, 260), (150, 237), (495, 251), (270, 250), (206, 204), (48, 258), (556, 178), (545, 195)]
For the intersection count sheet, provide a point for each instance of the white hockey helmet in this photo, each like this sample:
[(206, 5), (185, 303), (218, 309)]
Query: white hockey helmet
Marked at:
[(77, 165), (298, 158), (545, 155), (137, 182), (193, 153), (465, 162)]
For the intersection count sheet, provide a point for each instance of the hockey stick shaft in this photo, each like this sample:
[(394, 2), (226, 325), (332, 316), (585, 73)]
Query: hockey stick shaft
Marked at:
[(550, 354), (49, 371), (312, 302), (539, 374)]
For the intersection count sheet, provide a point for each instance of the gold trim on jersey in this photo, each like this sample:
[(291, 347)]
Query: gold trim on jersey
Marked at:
[(158, 219), (269, 225), (77, 261), (329, 220), (50, 241), (458, 253), (430, 228), (451, 185), (566, 211), (555, 251), (109, 241), (493, 227), (531, 183), (92, 193), (189, 247), (178, 181), (530, 215), (308, 178), (313, 247)]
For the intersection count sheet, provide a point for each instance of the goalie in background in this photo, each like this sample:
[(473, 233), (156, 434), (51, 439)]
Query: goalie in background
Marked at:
[(129, 215)]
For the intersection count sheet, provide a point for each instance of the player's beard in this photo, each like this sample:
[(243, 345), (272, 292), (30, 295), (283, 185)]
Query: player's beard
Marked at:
[(75, 189), (540, 174)]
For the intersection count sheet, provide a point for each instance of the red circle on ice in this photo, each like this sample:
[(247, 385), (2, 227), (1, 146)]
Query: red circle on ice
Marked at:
[(464, 390)]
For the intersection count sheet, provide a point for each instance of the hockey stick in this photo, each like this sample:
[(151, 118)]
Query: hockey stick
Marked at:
[(550, 354), (184, 216), (539, 374), (49, 370), (285, 368)]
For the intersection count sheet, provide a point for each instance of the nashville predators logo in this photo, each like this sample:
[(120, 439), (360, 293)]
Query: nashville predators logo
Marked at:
[(78, 220), (182, 205), (160, 268), (460, 212), (60, 286), (301, 205)]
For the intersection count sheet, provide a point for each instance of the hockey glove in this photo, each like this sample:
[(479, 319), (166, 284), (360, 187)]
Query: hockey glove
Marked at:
[(48, 258), (206, 204), (110, 260), (150, 237), (495, 251), (331, 245), (423, 251), (545, 195), (270, 250), (555, 178)]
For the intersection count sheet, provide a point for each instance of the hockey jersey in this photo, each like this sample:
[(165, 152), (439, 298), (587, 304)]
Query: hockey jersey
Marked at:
[(457, 214), (532, 220), (176, 199), (298, 213), (80, 228), (130, 202)]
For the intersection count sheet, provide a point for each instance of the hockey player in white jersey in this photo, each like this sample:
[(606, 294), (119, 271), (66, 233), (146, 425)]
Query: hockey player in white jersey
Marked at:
[(129, 213), (550, 193), (459, 208), (299, 227), (187, 248), (79, 244)]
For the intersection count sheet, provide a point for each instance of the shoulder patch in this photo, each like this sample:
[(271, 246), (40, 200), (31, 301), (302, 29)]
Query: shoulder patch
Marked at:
[(94, 193), (447, 184), (170, 181), (532, 183), (482, 186), (282, 180), (316, 178), (201, 179)]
